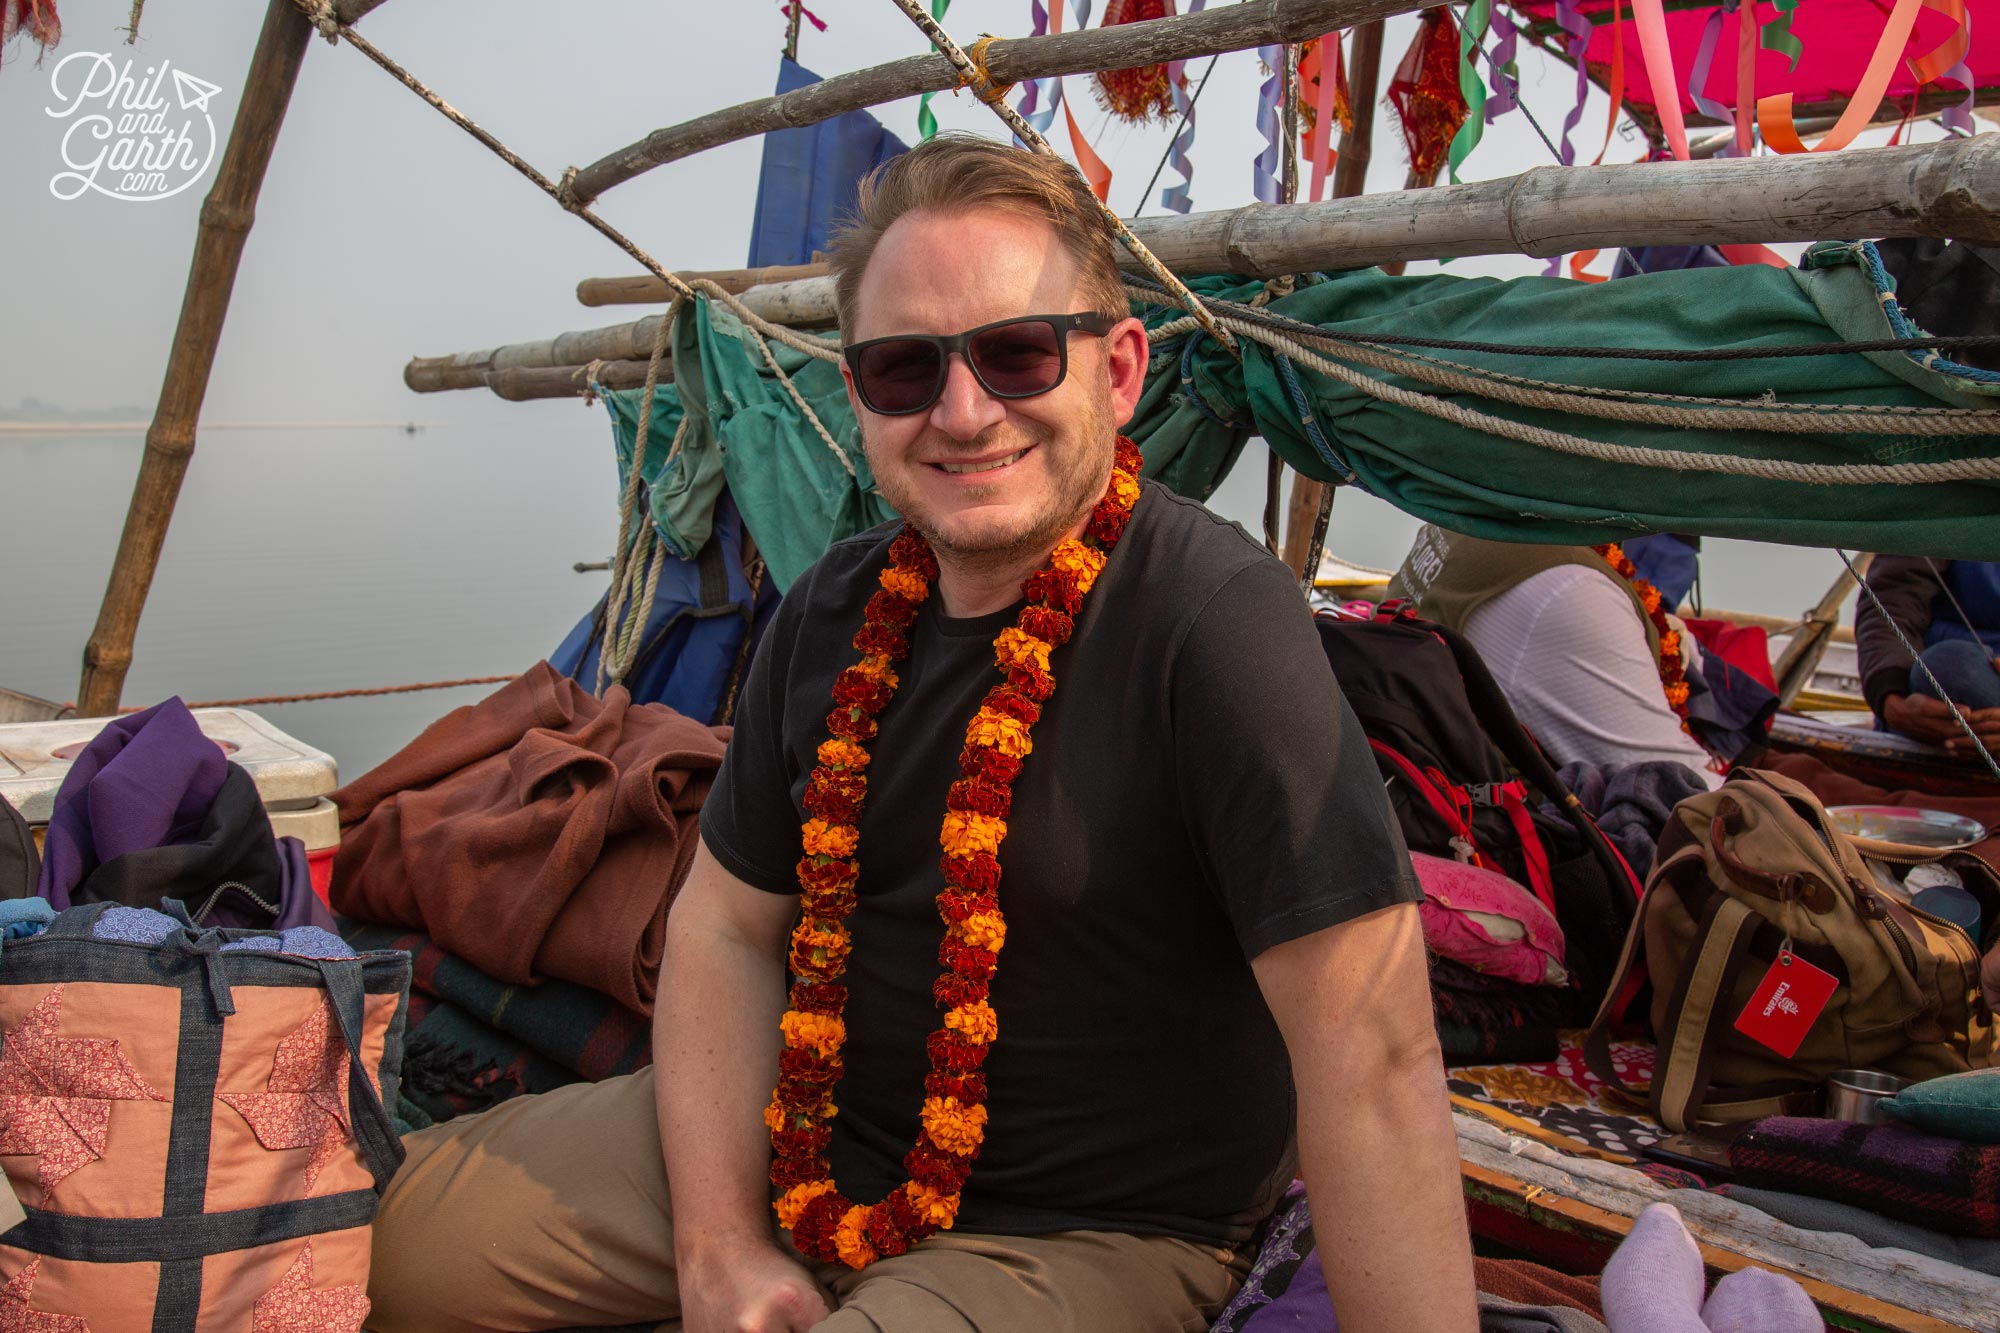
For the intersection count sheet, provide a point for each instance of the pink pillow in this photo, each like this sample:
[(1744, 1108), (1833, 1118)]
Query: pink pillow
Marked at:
[(1486, 921)]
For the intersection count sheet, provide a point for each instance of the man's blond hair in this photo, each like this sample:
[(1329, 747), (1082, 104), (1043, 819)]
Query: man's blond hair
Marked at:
[(956, 172)]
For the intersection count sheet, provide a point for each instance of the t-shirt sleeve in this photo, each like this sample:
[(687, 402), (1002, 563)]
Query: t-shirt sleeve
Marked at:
[(1276, 780), (748, 820)]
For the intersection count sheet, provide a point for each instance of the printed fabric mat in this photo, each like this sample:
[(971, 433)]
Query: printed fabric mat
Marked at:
[(1561, 1103)]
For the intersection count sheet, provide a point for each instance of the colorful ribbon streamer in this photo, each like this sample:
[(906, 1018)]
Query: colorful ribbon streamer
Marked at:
[(1505, 71), (1036, 90), (1778, 35), (1471, 35), (1178, 197), (927, 125), (1569, 17), (1327, 80), (1704, 60), (1774, 114), (1658, 53), (1264, 170)]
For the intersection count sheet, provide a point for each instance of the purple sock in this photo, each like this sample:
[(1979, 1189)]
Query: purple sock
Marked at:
[(1756, 1300), (1655, 1282)]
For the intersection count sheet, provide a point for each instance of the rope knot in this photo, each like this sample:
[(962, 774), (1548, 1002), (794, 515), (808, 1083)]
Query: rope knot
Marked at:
[(566, 191), (982, 82), (320, 14)]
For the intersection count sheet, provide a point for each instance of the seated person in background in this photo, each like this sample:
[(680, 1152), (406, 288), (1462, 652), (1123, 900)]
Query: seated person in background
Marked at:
[(1593, 671), (1951, 610)]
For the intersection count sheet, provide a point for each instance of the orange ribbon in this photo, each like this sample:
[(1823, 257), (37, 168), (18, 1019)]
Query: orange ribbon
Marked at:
[(1774, 114)]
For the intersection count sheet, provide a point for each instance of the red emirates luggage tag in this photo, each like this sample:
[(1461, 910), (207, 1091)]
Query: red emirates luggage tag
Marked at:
[(1786, 1003)]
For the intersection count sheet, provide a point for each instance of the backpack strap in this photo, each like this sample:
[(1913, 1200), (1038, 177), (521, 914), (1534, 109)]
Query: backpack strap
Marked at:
[(374, 1130)]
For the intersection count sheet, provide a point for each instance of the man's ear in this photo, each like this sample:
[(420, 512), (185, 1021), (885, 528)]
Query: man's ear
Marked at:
[(1127, 353)]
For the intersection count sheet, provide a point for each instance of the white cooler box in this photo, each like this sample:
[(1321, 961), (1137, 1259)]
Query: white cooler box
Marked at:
[(292, 777)]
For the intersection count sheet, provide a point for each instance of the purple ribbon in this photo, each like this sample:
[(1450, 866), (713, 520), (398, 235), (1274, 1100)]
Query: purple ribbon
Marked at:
[(1264, 171), (1570, 18), (1704, 56), (1177, 197), (1506, 79), (1959, 118), (1037, 89)]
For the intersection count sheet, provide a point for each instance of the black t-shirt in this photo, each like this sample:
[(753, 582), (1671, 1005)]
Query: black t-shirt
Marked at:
[(1198, 792)]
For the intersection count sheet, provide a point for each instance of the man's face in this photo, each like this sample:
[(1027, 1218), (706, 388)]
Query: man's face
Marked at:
[(943, 273)]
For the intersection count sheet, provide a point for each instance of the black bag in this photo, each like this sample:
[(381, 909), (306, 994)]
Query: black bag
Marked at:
[(1460, 770)]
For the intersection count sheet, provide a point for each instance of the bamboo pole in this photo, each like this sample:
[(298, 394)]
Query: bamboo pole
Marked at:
[(521, 383), (226, 218), (1949, 189), (1795, 666), (649, 290), (1234, 28), (1310, 499)]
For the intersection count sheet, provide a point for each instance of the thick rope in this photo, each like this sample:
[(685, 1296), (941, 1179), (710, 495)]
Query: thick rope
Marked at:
[(974, 77), (635, 534), (1917, 656)]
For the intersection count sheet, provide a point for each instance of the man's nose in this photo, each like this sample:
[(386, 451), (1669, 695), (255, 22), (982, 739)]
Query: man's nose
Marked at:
[(965, 409)]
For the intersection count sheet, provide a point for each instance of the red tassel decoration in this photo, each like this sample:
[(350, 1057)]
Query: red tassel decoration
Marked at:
[(35, 18), (1429, 107), (1142, 94)]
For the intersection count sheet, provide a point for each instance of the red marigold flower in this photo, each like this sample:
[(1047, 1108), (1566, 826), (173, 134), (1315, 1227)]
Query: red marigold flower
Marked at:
[(914, 553), (980, 797), (857, 690), (888, 1239), (1107, 525), (1006, 699), (952, 990), (830, 904), (983, 761), (904, 1215), (931, 1165), (846, 724), (978, 873), (835, 807), (886, 608), (957, 906), (966, 959), (1053, 588), (968, 1088), (1128, 458), (1033, 685), (790, 1172), (818, 997), (806, 1143), (1047, 624), (953, 1053), (882, 641), (814, 1232)]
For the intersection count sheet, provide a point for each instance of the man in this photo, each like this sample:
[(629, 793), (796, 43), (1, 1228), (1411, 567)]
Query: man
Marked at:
[(1950, 609), (1200, 878)]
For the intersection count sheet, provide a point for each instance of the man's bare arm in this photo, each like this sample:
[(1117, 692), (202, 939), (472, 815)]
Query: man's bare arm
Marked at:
[(715, 1046), (1375, 1134)]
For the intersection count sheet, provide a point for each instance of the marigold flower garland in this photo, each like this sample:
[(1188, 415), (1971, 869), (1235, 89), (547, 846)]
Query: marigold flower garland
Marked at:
[(824, 1223), (1673, 671)]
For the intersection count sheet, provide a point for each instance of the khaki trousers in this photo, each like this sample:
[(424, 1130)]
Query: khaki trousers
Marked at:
[(551, 1212)]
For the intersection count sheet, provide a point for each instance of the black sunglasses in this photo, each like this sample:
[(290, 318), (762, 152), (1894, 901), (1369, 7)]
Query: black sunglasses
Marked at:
[(1011, 358)]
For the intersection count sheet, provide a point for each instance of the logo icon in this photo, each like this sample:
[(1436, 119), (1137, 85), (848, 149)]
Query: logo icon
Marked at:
[(134, 137)]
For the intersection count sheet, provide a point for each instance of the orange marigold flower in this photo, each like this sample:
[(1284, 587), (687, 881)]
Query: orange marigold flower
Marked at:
[(974, 1022), (827, 939), (776, 1118), (822, 1033), (954, 1126), (1124, 490), (850, 1238), (793, 1201), (877, 669), (905, 583), (986, 930), (1016, 647), (966, 832), (837, 753), (823, 839), (997, 731), (1080, 562)]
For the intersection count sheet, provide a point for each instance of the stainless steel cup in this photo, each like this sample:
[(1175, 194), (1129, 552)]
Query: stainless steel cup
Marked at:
[(1856, 1095)]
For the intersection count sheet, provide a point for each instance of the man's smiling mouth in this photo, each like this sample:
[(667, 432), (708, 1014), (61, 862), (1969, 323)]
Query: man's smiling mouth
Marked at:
[(964, 469)]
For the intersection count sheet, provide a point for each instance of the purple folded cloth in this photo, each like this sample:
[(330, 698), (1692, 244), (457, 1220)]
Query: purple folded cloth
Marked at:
[(146, 780)]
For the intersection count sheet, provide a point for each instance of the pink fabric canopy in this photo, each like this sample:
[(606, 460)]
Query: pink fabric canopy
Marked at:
[(1837, 37)]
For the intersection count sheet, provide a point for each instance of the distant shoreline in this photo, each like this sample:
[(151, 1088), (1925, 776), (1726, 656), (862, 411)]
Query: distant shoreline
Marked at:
[(140, 427)]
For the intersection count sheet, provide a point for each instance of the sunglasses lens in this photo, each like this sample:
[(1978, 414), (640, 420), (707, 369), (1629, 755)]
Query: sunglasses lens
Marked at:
[(898, 376), (1019, 360)]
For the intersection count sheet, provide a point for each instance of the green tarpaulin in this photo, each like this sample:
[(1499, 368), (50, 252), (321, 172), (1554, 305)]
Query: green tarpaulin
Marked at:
[(798, 493)]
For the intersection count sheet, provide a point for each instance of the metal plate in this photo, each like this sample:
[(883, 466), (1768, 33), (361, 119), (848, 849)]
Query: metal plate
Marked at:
[(1936, 829)]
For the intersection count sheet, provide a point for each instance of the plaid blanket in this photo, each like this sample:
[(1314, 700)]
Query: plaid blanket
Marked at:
[(1944, 1184), (475, 1041)]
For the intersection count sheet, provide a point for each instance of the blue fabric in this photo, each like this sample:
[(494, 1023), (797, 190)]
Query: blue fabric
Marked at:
[(1964, 668), (702, 610), (1666, 259), (135, 925), (1976, 585), (1667, 562), (809, 177), (305, 941), (22, 917)]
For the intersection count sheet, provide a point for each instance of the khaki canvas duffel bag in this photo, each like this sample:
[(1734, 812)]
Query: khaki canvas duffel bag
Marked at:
[(1754, 877)]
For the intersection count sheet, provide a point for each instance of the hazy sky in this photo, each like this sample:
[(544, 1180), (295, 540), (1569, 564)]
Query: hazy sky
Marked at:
[(384, 232)]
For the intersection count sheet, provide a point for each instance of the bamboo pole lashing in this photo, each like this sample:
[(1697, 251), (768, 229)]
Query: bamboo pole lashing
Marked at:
[(227, 215), (1226, 28)]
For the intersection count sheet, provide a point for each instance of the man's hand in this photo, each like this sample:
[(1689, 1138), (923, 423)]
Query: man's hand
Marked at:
[(1928, 719), (750, 1288)]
